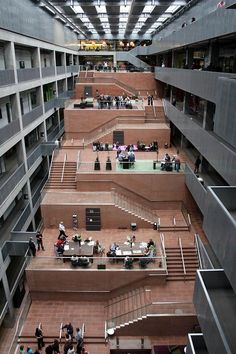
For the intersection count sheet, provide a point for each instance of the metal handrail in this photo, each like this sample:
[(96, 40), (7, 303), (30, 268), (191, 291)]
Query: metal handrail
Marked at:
[(198, 251), (163, 250), (49, 173), (83, 330), (60, 332), (77, 163), (63, 168), (182, 255)]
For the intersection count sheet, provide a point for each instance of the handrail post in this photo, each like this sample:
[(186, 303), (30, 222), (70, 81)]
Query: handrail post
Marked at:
[(182, 256), (63, 168)]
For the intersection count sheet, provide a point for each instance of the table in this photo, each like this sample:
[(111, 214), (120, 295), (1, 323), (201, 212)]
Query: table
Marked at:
[(85, 249), (137, 249)]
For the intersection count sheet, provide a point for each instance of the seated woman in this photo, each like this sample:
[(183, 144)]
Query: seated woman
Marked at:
[(148, 257), (150, 243), (74, 260)]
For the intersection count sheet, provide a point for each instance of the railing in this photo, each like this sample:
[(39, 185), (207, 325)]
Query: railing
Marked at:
[(108, 263), (9, 130), (123, 202), (204, 259), (48, 71), (50, 168), (60, 332), (63, 168), (11, 183), (182, 255), (60, 70), (28, 74), (32, 158), (163, 250), (32, 115), (7, 77), (22, 219), (49, 104), (176, 308), (83, 330), (37, 193), (77, 163), (138, 166)]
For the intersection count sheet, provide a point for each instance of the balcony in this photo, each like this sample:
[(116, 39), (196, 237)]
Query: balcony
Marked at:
[(222, 158), (60, 70), (28, 74), (220, 222), (196, 188), (9, 130), (49, 105), (48, 71), (200, 83), (34, 156), (215, 303), (32, 115), (7, 77), (11, 183)]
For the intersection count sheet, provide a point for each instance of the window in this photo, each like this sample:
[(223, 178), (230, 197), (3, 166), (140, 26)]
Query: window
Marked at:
[(0, 113), (8, 108), (22, 64)]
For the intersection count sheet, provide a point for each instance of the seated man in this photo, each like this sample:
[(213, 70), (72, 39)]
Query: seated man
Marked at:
[(77, 238), (98, 249), (128, 262), (83, 261), (74, 260), (148, 257), (112, 250)]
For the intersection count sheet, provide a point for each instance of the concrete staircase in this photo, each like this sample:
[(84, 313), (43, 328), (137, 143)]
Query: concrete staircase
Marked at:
[(128, 308), (68, 181), (175, 266), (134, 208)]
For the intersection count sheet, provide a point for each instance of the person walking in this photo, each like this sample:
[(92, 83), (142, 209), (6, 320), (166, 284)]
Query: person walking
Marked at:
[(39, 240), (197, 164), (62, 230), (32, 247), (39, 337)]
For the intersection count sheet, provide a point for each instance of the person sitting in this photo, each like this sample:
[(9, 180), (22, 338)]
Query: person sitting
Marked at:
[(131, 157), (148, 257), (112, 250), (74, 260), (59, 248), (150, 243), (83, 261), (128, 262), (98, 249), (77, 238)]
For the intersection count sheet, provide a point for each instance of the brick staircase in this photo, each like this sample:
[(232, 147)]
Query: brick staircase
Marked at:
[(127, 308), (137, 209), (175, 264), (149, 113), (68, 181)]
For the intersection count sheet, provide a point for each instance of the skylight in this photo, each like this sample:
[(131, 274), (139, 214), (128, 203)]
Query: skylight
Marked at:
[(84, 19), (173, 8), (148, 9), (77, 9), (101, 9), (125, 9)]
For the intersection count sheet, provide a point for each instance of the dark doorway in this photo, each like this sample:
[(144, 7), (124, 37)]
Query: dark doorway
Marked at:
[(88, 91), (93, 219), (118, 135)]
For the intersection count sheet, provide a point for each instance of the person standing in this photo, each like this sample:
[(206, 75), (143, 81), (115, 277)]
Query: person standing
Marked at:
[(39, 337), (22, 350), (32, 247), (62, 230), (197, 164), (39, 240)]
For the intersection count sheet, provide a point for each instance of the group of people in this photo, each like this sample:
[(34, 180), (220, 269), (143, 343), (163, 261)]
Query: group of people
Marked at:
[(167, 163), (109, 101), (39, 244)]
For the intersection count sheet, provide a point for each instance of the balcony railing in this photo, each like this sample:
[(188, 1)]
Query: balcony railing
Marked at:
[(7, 77), (48, 71), (49, 104), (196, 188), (53, 134), (10, 184), (36, 196), (9, 130), (28, 74), (32, 115), (60, 70), (31, 159), (149, 166)]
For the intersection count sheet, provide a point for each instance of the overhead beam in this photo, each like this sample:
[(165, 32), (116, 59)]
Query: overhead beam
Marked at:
[(115, 3)]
